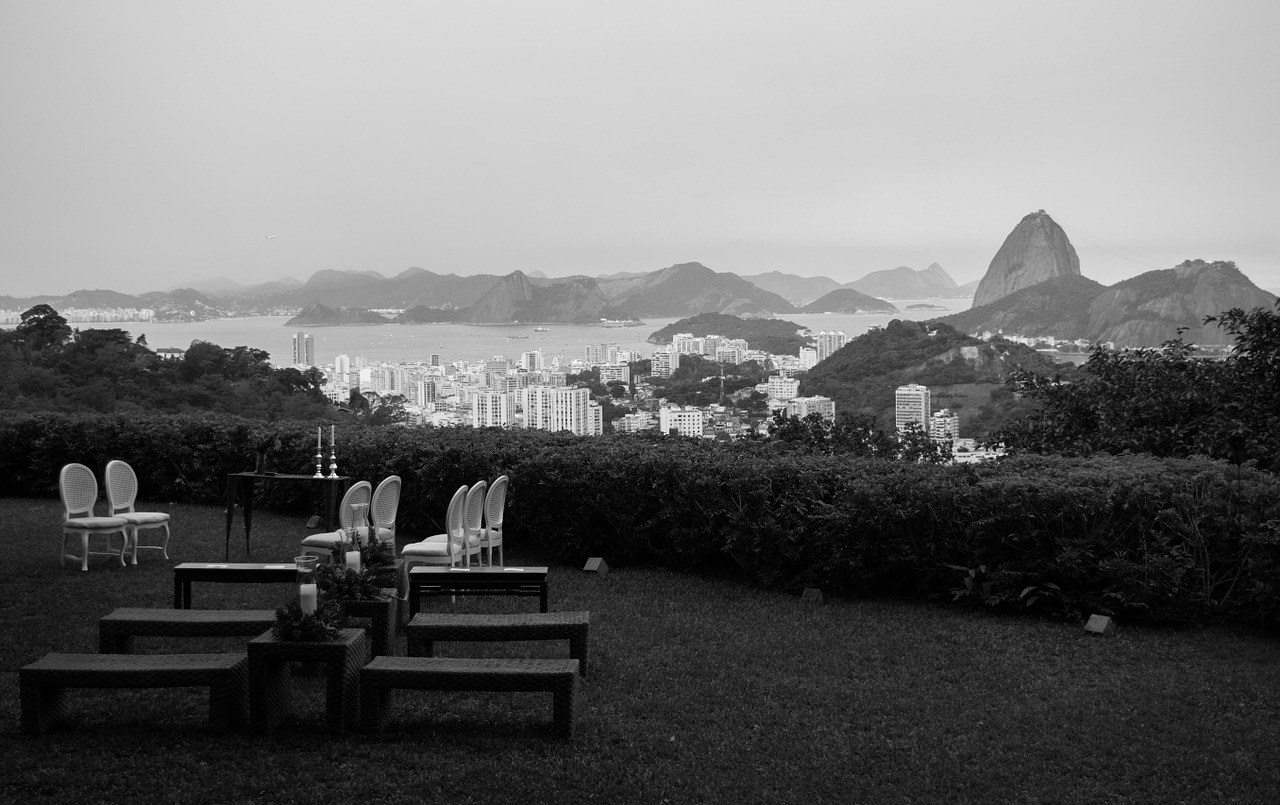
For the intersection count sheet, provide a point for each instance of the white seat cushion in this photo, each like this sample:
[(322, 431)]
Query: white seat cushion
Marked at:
[(428, 548), (144, 518), (95, 522), (474, 542), (327, 539)]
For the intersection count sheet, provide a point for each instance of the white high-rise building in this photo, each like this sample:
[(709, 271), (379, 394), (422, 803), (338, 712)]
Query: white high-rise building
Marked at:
[(562, 408), (680, 421), (304, 349), (808, 357), (803, 406), (664, 362), (782, 388), (911, 405), (491, 409), (944, 425), (827, 343)]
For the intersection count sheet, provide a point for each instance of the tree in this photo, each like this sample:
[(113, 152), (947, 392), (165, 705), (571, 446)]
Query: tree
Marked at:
[(43, 328), (1166, 402)]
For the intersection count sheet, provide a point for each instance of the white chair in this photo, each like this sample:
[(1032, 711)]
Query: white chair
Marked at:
[(386, 501), (122, 491), (441, 549), (79, 490), (494, 504), (473, 522), (322, 545)]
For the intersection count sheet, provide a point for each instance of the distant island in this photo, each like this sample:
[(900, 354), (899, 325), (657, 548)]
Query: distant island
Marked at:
[(926, 307)]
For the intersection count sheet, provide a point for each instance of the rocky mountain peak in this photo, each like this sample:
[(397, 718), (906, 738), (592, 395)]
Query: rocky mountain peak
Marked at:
[(1036, 250)]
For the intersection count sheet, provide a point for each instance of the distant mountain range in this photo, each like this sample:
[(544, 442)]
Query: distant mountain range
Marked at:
[(894, 283)]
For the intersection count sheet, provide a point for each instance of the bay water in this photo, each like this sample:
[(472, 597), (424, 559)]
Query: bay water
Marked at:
[(403, 343)]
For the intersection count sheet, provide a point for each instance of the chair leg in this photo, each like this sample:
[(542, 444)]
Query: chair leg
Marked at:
[(134, 538), (84, 553)]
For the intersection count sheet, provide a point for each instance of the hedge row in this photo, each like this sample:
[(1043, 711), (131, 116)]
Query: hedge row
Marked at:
[(1176, 541)]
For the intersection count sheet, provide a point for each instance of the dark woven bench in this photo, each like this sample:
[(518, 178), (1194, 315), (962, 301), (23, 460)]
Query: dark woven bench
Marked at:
[(44, 683), (427, 628), (117, 630), (384, 674)]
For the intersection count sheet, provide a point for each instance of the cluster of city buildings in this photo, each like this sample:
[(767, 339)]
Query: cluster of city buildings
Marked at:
[(76, 315), (532, 391)]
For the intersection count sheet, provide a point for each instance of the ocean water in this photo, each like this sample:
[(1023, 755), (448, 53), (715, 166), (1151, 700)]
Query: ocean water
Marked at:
[(466, 342)]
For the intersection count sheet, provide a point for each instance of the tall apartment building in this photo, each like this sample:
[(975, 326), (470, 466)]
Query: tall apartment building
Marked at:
[(615, 371), (808, 357), (827, 343), (304, 349), (679, 421), (664, 362), (492, 409), (597, 354), (531, 361), (911, 405), (944, 425), (782, 388), (561, 408), (803, 406), (686, 344)]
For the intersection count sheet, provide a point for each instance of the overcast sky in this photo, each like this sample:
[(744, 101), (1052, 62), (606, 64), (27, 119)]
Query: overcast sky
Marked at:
[(145, 144)]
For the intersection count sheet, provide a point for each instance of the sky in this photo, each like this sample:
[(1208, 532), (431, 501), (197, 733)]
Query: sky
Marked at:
[(144, 145)]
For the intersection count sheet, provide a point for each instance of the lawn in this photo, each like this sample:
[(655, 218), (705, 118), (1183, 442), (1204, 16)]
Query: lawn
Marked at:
[(701, 690)]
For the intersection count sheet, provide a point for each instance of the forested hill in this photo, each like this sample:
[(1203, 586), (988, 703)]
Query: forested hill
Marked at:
[(775, 336), (962, 372)]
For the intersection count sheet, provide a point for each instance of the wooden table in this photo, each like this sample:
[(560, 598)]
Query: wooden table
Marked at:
[(476, 581), (240, 486), (227, 572)]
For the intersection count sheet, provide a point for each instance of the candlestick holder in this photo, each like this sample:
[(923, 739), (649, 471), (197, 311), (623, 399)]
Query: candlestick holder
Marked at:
[(333, 461), (319, 464)]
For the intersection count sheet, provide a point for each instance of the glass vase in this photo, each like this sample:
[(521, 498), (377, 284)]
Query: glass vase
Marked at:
[(308, 590)]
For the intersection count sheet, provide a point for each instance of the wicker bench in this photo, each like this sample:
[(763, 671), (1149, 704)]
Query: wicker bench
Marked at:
[(427, 628), (117, 630), (44, 683), (384, 674)]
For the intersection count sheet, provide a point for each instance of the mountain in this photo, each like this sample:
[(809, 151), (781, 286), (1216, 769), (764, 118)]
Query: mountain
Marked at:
[(847, 300), (962, 373), (515, 297), (799, 291), (907, 283), (318, 315), (1058, 307), (687, 289), (1150, 308), (1036, 250), (1143, 311)]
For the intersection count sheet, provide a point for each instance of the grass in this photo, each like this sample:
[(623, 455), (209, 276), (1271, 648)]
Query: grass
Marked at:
[(701, 690)]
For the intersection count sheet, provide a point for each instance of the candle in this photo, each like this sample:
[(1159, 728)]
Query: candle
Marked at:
[(307, 598), (319, 428), (353, 561), (331, 435)]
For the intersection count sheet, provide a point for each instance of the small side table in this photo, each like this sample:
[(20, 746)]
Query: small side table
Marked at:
[(271, 685)]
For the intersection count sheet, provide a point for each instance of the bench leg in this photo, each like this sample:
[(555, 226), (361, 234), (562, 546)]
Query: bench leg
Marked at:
[(375, 703), (562, 711), (42, 707), (111, 643), (578, 651)]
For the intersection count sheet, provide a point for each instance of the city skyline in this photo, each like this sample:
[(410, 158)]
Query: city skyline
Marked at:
[(153, 144)]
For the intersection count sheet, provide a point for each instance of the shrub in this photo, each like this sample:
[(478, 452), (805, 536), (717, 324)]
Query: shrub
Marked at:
[(1164, 539)]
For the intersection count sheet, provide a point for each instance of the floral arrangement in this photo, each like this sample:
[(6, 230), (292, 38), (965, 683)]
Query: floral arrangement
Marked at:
[(322, 625), (337, 582)]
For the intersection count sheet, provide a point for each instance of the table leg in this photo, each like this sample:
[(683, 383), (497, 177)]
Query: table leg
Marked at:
[(543, 595), (232, 485), (246, 498), (177, 594)]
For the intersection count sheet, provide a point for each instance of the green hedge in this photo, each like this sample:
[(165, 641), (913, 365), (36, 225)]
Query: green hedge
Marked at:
[(1178, 541)]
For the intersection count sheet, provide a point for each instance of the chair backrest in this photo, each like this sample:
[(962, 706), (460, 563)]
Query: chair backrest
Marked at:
[(79, 490), (475, 508), (495, 502), (386, 501), (360, 492), (122, 487), (454, 524)]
